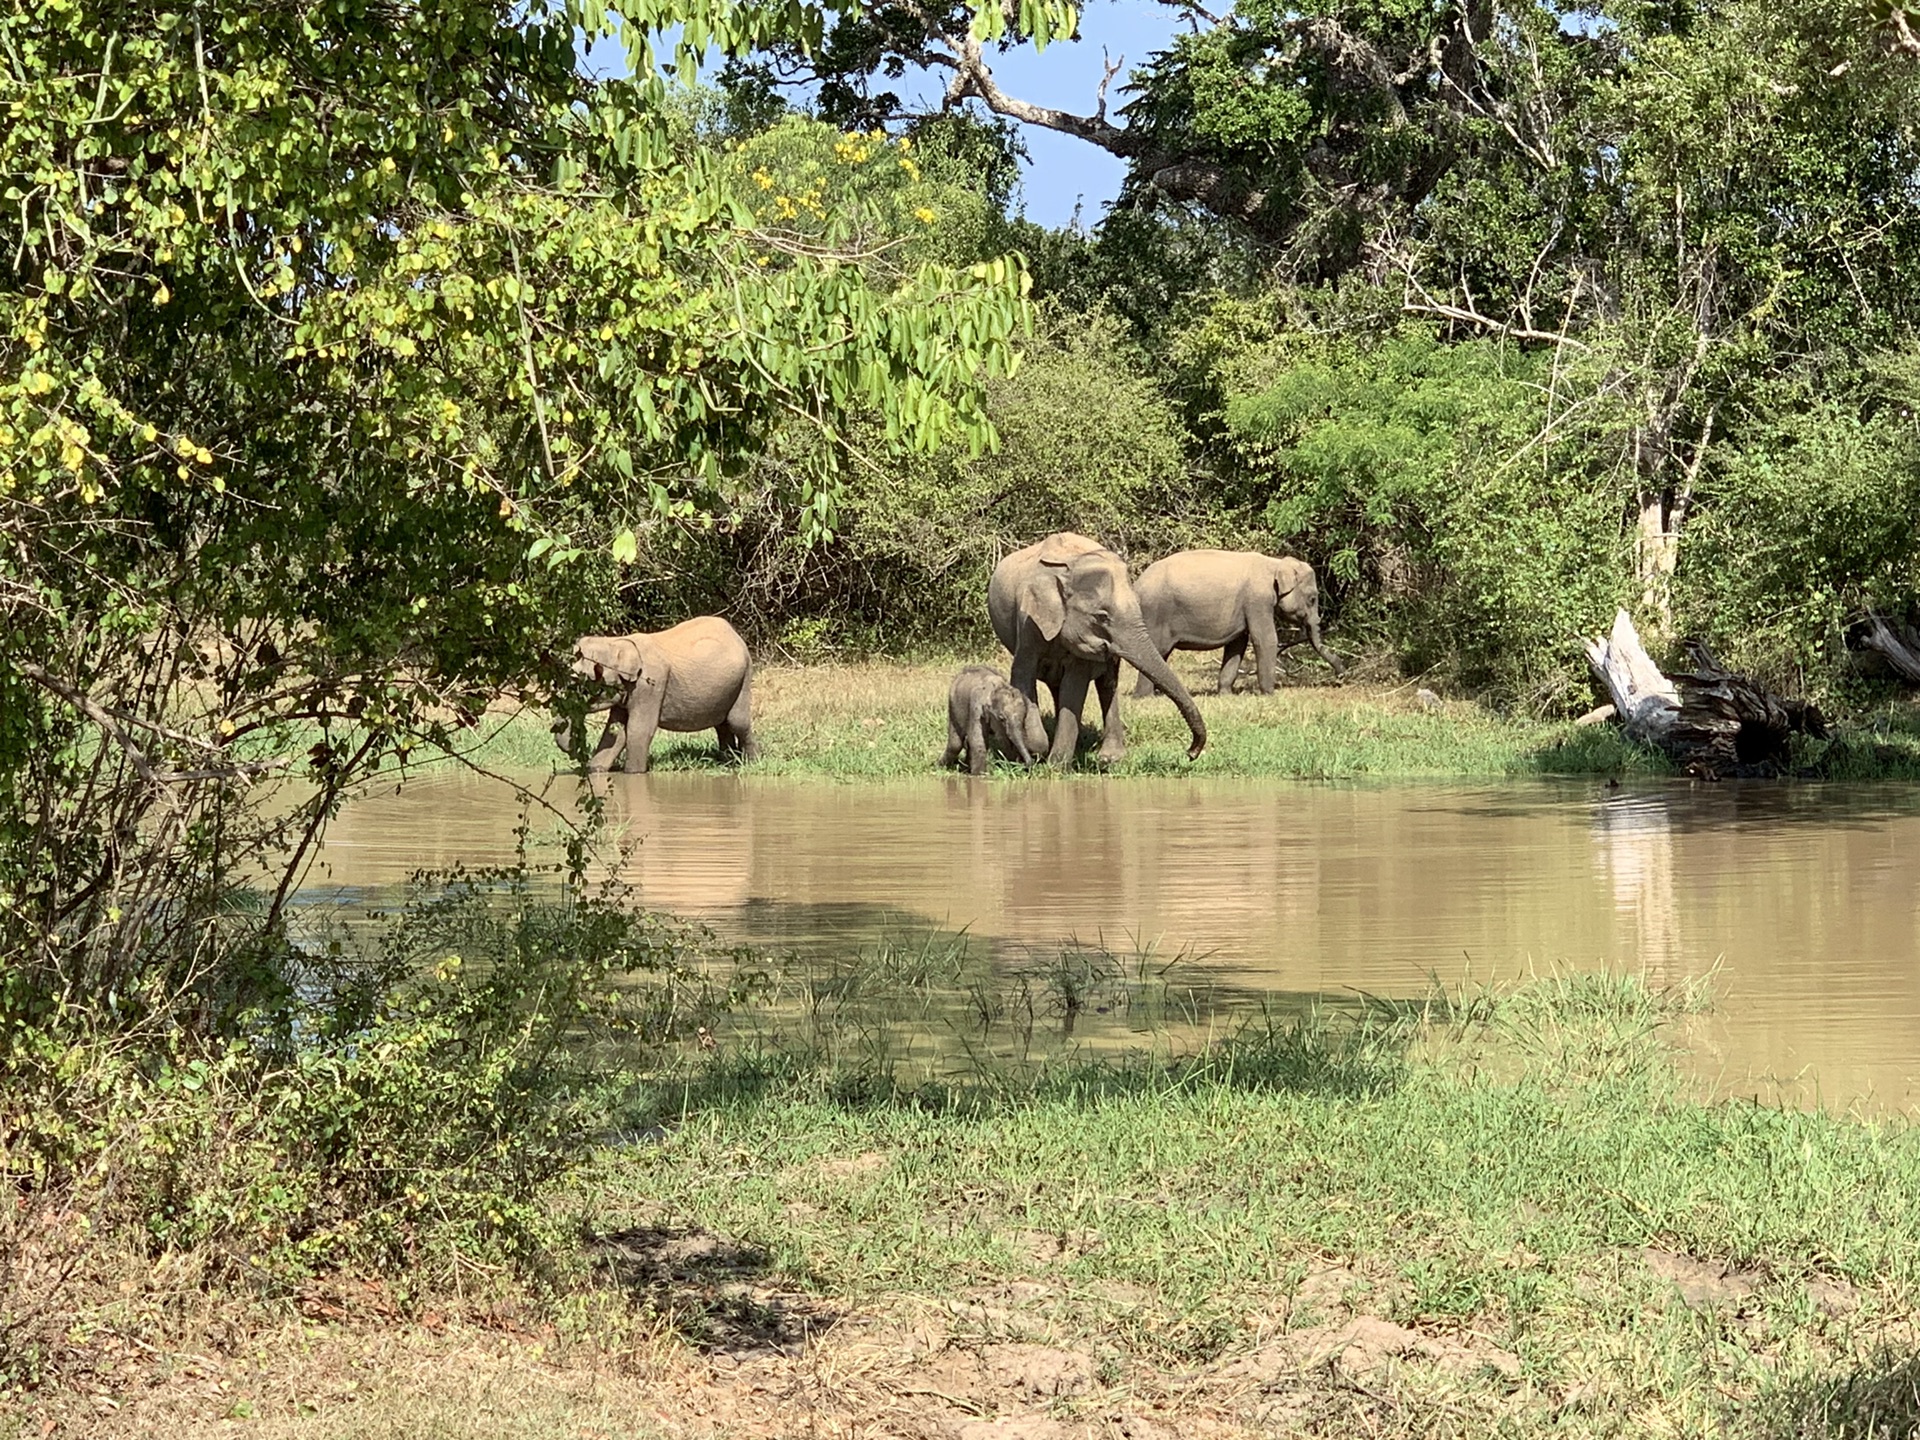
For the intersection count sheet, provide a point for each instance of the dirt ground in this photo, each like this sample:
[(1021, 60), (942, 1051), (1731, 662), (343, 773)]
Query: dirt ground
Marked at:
[(1029, 1360)]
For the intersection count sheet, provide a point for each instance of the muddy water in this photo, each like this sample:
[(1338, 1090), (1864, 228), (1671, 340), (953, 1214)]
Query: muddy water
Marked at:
[(1805, 898)]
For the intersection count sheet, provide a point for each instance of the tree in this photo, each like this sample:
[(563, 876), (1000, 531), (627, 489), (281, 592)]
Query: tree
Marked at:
[(329, 338)]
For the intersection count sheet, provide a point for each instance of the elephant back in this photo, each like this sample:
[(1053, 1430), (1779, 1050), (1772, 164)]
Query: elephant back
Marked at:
[(708, 663)]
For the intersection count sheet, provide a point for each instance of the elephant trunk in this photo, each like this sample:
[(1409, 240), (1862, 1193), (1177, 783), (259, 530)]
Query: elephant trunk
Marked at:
[(1140, 652), (1319, 646)]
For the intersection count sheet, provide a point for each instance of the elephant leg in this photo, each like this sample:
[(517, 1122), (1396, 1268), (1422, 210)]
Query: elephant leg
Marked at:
[(956, 742), (735, 733), (643, 719), (1113, 730), (607, 749), (1266, 646), (1026, 679), (1069, 697), (1230, 659), (978, 756)]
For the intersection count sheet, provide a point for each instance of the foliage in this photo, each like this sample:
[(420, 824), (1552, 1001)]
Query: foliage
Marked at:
[(339, 350), (1440, 476), (1810, 528), (1085, 442), (407, 1101)]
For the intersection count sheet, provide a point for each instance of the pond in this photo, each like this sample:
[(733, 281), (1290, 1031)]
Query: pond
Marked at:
[(1801, 899)]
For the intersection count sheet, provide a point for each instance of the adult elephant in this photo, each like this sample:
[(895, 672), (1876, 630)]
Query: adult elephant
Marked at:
[(1066, 611), (695, 675), (1224, 599)]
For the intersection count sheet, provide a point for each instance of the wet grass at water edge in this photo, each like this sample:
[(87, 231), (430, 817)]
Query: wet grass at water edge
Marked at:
[(1489, 1210)]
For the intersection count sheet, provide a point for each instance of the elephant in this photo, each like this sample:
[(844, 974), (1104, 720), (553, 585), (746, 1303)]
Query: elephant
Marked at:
[(696, 674), (1221, 599), (984, 710), (1065, 610)]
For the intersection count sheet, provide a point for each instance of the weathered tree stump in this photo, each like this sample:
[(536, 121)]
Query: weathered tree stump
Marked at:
[(1897, 644), (1711, 720)]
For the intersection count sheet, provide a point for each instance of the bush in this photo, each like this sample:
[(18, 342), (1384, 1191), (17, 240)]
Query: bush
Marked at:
[(399, 1111), (1810, 525), (1087, 442), (1426, 483)]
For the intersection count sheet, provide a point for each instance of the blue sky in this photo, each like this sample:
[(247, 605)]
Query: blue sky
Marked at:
[(1062, 172)]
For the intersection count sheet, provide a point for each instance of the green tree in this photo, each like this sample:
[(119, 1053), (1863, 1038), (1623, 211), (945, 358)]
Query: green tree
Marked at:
[(330, 338)]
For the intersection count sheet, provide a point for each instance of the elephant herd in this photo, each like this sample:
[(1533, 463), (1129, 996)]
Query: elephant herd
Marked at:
[(1064, 608)]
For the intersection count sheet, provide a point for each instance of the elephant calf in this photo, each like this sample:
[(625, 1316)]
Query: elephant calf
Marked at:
[(1224, 599), (695, 675), (984, 711)]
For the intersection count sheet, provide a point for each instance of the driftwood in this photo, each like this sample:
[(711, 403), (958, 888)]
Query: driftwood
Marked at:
[(1712, 721), (1896, 643)]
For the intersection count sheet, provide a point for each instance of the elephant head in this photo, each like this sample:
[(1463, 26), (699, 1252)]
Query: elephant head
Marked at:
[(1007, 712), (608, 660), (1296, 591), (612, 660), (1081, 600)]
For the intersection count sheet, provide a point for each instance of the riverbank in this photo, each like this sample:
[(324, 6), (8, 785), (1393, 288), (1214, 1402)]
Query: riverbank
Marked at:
[(1506, 1213), (883, 719)]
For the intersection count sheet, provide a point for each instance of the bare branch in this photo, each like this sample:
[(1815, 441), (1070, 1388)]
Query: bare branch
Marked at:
[(1418, 300)]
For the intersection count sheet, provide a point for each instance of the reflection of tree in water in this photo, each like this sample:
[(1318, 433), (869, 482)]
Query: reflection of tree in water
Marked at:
[(1635, 835)]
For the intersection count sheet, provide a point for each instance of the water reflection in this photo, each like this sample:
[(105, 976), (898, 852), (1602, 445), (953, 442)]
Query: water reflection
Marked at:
[(1635, 835), (1803, 894)]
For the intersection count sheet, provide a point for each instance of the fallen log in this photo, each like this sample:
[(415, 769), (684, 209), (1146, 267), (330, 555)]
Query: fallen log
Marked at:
[(1711, 720), (1899, 646), (1646, 702)]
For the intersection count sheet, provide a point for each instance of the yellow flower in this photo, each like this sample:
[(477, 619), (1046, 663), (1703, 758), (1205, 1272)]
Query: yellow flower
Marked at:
[(763, 179), (925, 216)]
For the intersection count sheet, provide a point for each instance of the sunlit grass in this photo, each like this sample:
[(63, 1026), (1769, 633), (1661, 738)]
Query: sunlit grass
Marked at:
[(1526, 1168), (884, 720)]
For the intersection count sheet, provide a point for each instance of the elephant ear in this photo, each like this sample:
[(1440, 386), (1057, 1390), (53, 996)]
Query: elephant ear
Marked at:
[(1290, 575), (1044, 599), (613, 658)]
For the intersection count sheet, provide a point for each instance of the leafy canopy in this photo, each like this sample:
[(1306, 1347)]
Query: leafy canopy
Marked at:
[(329, 339)]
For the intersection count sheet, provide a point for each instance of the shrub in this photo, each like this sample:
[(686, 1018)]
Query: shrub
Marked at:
[(401, 1109)]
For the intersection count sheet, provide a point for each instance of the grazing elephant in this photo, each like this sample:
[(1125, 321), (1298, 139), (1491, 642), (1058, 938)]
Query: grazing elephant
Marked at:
[(1221, 599), (697, 674), (984, 711), (1066, 611)]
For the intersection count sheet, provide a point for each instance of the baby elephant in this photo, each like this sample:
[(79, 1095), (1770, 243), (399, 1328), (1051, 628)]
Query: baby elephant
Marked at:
[(982, 710), (697, 674)]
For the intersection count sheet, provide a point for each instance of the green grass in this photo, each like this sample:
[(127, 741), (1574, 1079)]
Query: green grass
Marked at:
[(882, 720), (885, 720), (1527, 1170)]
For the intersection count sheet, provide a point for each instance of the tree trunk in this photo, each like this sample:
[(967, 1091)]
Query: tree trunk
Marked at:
[(1712, 721), (1656, 551), (1645, 700), (1900, 646)]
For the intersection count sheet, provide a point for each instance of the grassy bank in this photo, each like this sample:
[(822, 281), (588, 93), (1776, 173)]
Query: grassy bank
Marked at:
[(884, 719), (1500, 1213)]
